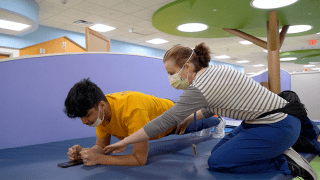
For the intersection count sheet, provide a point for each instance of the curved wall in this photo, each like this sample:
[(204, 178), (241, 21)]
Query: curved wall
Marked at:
[(33, 91), (285, 78)]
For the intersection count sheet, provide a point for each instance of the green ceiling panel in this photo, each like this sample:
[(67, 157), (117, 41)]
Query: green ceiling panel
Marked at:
[(233, 14), (303, 56)]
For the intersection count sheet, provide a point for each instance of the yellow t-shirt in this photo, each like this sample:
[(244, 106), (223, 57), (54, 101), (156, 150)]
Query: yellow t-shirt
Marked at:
[(130, 111)]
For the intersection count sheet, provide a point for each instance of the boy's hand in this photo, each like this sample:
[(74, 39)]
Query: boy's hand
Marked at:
[(73, 152), (89, 157)]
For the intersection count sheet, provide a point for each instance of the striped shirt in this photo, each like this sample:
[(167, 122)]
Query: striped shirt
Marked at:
[(223, 91)]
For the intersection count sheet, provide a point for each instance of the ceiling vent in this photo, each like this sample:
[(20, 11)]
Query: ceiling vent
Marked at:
[(82, 22)]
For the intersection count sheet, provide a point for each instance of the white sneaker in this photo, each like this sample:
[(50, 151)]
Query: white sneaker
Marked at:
[(219, 130), (299, 166)]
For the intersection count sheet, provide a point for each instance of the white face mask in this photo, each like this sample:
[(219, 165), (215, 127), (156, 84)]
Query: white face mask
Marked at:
[(176, 80), (98, 121)]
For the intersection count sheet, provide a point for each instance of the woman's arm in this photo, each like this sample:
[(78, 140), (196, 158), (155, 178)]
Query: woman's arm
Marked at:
[(189, 102), (183, 126), (138, 136)]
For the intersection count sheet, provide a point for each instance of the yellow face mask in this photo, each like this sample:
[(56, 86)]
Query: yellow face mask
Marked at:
[(176, 80)]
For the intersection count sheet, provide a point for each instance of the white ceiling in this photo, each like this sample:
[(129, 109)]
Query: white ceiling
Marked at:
[(137, 14)]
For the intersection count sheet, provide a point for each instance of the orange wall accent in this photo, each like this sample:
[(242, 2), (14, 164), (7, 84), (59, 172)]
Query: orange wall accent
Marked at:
[(53, 46), (2, 56)]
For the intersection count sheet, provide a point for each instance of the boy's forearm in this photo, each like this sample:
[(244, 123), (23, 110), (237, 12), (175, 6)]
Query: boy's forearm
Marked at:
[(121, 160), (97, 149)]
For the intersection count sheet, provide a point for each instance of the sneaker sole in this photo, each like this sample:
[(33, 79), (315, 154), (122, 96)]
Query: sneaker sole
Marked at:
[(301, 161)]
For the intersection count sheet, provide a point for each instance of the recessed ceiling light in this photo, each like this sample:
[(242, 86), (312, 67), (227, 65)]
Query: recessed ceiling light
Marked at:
[(298, 29), (271, 4), (288, 59), (315, 68), (314, 62), (222, 57), (157, 41), (309, 65), (251, 73), (13, 25), (266, 51), (243, 61), (258, 65), (245, 42), (102, 28), (192, 27)]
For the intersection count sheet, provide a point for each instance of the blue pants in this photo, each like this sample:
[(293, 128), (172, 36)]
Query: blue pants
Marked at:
[(256, 147), (202, 124), (199, 125)]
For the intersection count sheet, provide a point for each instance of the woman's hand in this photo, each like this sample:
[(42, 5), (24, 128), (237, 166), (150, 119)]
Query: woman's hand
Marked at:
[(120, 146), (115, 148), (182, 126)]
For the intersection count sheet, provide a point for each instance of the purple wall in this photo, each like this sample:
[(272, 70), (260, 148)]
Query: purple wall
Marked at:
[(33, 92), (285, 79)]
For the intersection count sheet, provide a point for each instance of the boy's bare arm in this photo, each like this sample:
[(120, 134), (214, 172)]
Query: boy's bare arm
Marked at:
[(138, 157)]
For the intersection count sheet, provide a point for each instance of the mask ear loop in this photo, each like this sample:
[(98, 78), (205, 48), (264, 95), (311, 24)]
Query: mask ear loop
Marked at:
[(186, 61)]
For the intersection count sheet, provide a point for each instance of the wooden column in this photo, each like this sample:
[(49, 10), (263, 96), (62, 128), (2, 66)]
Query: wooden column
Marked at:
[(273, 45)]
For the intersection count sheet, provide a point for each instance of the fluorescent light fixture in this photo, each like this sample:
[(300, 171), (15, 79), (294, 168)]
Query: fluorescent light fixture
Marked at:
[(222, 57), (298, 29), (243, 61), (245, 42), (271, 4), (288, 59), (309, 65), (315, 68), (13, 25), (157, 41), (258, 65), (192, 27), (102, 28)]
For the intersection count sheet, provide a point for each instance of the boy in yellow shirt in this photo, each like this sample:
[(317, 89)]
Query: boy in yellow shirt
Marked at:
[(120, 115)]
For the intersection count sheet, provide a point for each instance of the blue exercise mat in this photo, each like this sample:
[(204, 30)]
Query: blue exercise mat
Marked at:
[(169, 158)]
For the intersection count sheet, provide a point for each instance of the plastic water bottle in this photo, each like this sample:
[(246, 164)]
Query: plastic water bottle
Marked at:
[(206, 132)]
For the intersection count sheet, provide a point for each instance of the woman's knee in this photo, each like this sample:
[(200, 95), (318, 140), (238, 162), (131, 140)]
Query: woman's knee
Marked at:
[(215, 162)]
